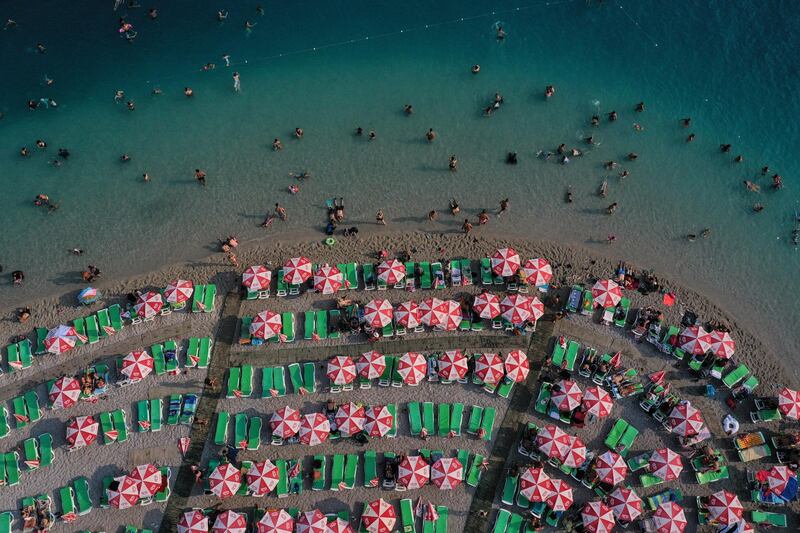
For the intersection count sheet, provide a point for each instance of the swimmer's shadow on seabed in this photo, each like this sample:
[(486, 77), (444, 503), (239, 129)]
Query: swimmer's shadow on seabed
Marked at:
[(73, 277)]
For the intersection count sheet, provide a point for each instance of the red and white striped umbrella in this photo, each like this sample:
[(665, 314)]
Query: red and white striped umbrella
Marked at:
[(82, 431), (537, 308), (328, 279), (341, 370), (516, 308), (552, 441), (148, 304), (537, 271), (378, 313), (666, 464), (350, 419), (339, 526), (391, 272), (489, 368), (61, 339), (606, 293), (597, 401), (505, 262), (137, 365), (451, 315), (725, 507), (371, 364), (789, 403), (230, 522), (276, 521), (314, 429), (669, 518), (257, 278), (597, 518), (179, 291), (123, 492), (266, 324), (379, 420), (312, 522), (412, 367), (407, 314), (561, 499), (625, 504), (778, 477), (695, 340), (447, 473), (430, 310), (453, 365), (722, 344), (225, 480), (611, 468), (517, 366), (193, 522), (487, 305), (413, 472), (262, 477), (536, 485), (65, 392), (567, 397), (379, 517), (297, 270), (285, 422), (149, 479), (685, 420), (576, 455)]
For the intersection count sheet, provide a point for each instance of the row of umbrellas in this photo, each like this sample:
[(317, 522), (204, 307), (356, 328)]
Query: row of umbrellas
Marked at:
[(697, 341), (414, 472), (567, 396), (126, 491), (315, 428)]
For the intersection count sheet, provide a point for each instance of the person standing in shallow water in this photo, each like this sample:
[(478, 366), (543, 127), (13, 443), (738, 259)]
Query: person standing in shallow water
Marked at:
[(200, 176), (237, 84), (503, 206)]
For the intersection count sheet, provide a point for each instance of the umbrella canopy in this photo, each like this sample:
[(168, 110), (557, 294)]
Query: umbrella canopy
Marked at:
[(412, 367), (88, 295), (537, 272), (148, 304), (257, 278), (561, 498), (230, 522), (371, 365), (312, 522), (61, 339), (328, 279), (778, 478), (297, 270), (285, 422), (695, 340), (262, 477), (725, 507), (722, 344), (447, 473), (598, 402), (567, 397), (193, 522), (339, 526), (314, 429), (350, 419), (413, 472), (611, 468), (276, 521), (378, 313), (266, 324), (606, 293), (379, 517), (489, 368), (487, 305), (149, 479), (407, 314), (685, 420), (82, 431), (789, 403), (537, 308), (597, 518), (666, 464), (379, 420), (64, 392), (391, 272), (453, 365), (536, 485), (431, 312), (179, 291), (669, 518), (451, 315), (505, 262), (137, 365), (123, 492), (576, 455), (516, 308), (225, 480), (517, 366), (341, 370), (625, 504), (552, 441)]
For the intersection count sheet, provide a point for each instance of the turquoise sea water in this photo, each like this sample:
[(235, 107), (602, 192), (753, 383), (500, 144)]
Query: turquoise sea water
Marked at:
[(729, 65)]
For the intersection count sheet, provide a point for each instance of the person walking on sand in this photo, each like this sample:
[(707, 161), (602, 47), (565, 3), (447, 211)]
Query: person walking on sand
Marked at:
[(200, 176), (503, 207), (280, 211), (379, 218), (237, 84), (466, 226)]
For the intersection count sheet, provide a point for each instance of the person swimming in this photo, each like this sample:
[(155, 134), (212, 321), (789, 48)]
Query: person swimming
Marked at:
[(603, 191), (612, 116), (453, 164), (725, 148), (222, 15), (475, 69), (408, 109), (562, 148), (758, 207), (277, 145), (372, 135), (549, 91), (610, 165), (589, 139), (188, 92), (501, 33), (686, 122), (124, 158), (595, 121), (40, 143), (511, 158), (640, 107), (777, 182), (24, 151), (611, 209), (131, 105), (237, 82), (294, 189), (248, 26), (431, 135), (569, 196), (633, 156), (454, 208), (739, 158), (752, 187), (298, 133), (359, 131), (690, 138), (63, 153)]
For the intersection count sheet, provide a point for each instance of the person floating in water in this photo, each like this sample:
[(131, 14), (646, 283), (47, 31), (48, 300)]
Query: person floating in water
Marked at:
[(504, 204), (431, 135), (298, 133), (372, 135), (777, 182), (454, 207), (613, 116), (501, 33), (549, 91), (640, 107), (248, 26), (408, 109), (453, 164), (611, 209), (277, 144), (359, 131), (188, 91), (511, 158), (237, 84), (725, 148), (475, 68), (222, 15), (227, 59)]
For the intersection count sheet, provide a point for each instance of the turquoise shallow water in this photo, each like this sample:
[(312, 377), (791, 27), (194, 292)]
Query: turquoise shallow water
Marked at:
[(730, 65)]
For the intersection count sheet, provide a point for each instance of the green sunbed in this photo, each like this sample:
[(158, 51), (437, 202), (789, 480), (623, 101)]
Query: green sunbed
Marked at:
[(414, 418), (321, 325), (487, 278), (32, 406), (768, 519), (351, 275), (104, 323), (204, 353), (296, 377), (21, 417), (369, 276), (350, 469), (587, 303), (209, 298), (318, 477), (616, 433), (487, 422), (159, 363), (309, 325), (245, 337), (30, 450), (474, 473), (279, 381), (397, 379), (310, 377), (425, 278), (41, 334), (46, 455), (337, 472), (370, 469), (254, 433), (79, 324), (392, 408), (571, 357), (164, 494), (171, 362), (466, 272), (625, 304), (427, 419), (441, 523), (557, 357), (543, 399), (407, 516), (92, 333), (735, 376), (626, 441), (197, 298), (475, 416), (334, 319), (287, 321), (266, 382), (156, 409), (174, 409), (504, 388), (25, 354), (107, 481), (456, 418), (81, 490), (444, 419), (67, 500), (12, 469), (115, 317), (766, 415), (192, 352), (509, 489), (650, 480), (221, 431), (710, 477), (501, 521), (234, 382), (438, 275), (5, 429), (386, 376), (143, 415), (514, 524), (240, 431), (246, 384), (120, 425)]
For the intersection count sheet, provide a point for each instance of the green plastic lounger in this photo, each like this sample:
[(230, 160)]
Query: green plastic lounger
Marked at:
[(164, 494), (427, 419), (444, 419), (143, 415), (474, 473), (21, 417), (209, 298), (174, 409), (159, 363), (221, 431), (240, 431), (571, 357), (456, 419), (370, 469), (410, 282), (171, 346), (80, 328), (32, 406), (266, 382), (501, 521), (351, 275), (735, 376), (626, 440), (407, 516), (287, 320), (204, 352), (30, 450), (156, 409), (386, 377), (41, 334), (625, 305), (711, 477), (438, 276), (279, 381), (81, 486), (350, 470), (92, 332), (487, 423), (66, 499), (5, 429), (514, 523), (768, 519), (245, 337), (334, 315), (504, 388), (192, 352), (321, 325), (337, 472), (234, 382), (198, 297), (12, 469), (486, 273), (441, 522), (246, 384), (309, 326), (46, 455), (616, 433), (120, 425), (392, 408), (104, 323), (254, 433), (475, 416), (296, 377), (466, 272), (310, 377), (368, 271), (104, 491), (425, 281), (115, 316), (6, 522), (509, 489), (414, 418)]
